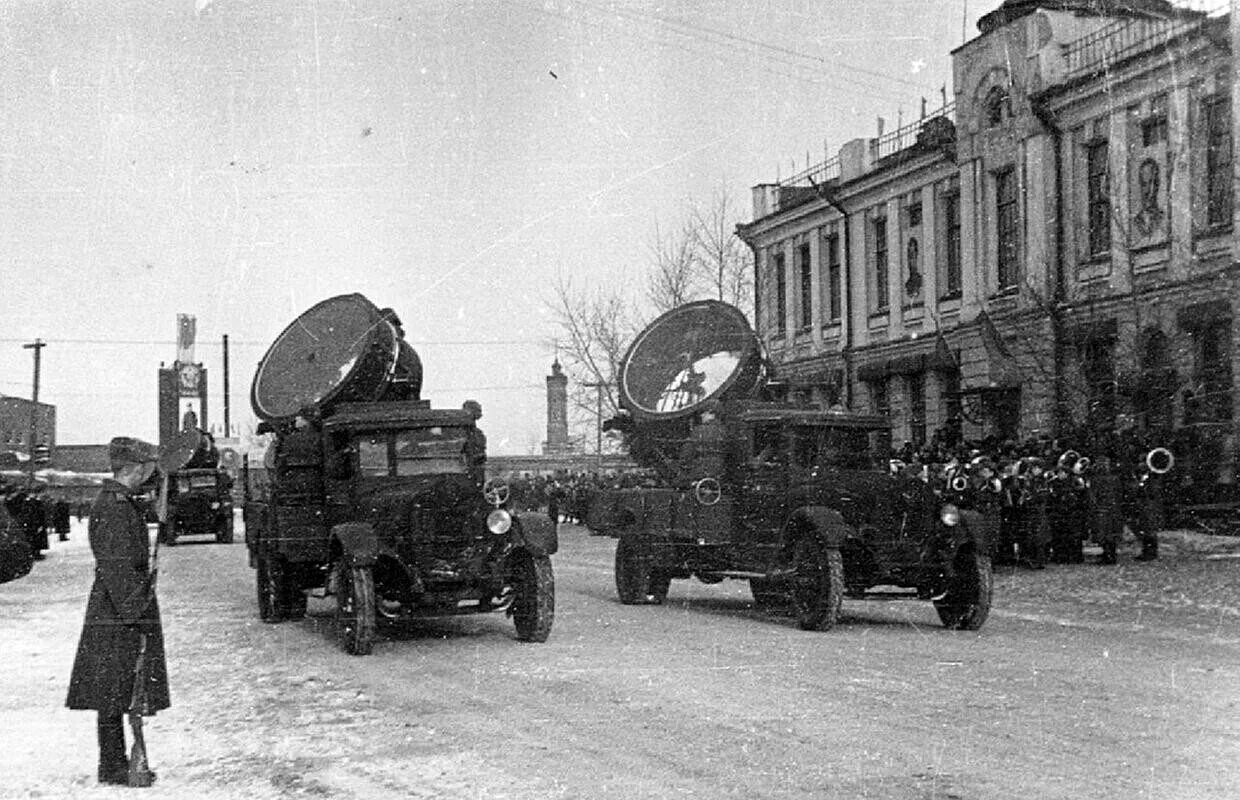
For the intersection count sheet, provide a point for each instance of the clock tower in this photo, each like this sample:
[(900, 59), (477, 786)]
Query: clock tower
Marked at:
[(182, 386)]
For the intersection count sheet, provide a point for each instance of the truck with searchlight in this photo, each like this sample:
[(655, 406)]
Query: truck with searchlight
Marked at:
[(371, 496), (797, 500)]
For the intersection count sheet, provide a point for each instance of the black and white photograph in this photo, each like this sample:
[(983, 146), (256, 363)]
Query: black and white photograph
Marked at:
[(619, 399)]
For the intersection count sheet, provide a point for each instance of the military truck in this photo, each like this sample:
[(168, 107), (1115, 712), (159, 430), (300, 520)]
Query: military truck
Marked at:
[(200, 500), (373, 497), (797, 500)]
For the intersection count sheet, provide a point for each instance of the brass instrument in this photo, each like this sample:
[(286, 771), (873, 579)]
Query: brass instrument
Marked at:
[(1159, 461)]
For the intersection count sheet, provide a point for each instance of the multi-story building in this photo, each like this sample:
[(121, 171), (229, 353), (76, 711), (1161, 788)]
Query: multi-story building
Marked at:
[(15, 420), (1050, 254)]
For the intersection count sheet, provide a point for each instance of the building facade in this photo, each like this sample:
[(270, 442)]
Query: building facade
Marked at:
[(1051, 254), (15, 415)]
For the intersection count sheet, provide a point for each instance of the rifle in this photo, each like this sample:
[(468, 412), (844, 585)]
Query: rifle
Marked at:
[(174, 457)]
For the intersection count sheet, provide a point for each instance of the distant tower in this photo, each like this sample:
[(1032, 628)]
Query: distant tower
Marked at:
[(557, 411)]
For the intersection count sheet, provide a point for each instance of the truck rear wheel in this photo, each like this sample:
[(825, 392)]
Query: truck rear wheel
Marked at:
[(967, 602), (271, 582), (225, 534), (355, 608), (637, 582), (533, 607), (818, 588)]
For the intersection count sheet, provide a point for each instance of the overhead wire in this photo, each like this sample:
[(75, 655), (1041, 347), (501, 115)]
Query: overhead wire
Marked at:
[(834, 65), (719, 49)]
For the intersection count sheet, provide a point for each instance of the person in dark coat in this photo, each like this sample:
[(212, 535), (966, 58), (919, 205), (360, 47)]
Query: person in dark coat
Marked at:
[(1108, 524), (475, 444), (121, 609), (60, 519)]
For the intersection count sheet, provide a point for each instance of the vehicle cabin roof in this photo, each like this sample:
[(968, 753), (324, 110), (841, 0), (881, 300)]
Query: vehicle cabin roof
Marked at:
[(796, 415), (411, 414)]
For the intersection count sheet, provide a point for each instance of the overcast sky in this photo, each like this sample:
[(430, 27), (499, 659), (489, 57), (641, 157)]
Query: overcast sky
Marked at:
[(242, 161)]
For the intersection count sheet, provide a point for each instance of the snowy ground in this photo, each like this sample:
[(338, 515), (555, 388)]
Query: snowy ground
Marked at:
[(1088, 681)]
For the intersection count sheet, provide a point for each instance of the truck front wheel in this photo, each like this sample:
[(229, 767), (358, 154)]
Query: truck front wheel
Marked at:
[(637, 582), (966, 604), (533, 607), (355, 607), (818, 588)]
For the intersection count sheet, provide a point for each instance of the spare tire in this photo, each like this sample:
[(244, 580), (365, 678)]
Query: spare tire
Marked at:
[(341, 349), (692, 355)]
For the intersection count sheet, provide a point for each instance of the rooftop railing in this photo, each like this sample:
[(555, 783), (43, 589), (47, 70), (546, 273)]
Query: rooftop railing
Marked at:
[(1125, 38), (828, 170), (906, 136)]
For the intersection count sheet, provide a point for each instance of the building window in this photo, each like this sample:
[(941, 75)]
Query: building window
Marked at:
[(997, 106), (1152, 398), (880, 264), (1098, 367), (1098, 199), (914, 214), (781, 295), (917, 406), (953, 413), (880, 403), (1212, 365), (951, 242), (1216, 123), (834, 300), (1007, 228), (805, 307), (1154, 125)]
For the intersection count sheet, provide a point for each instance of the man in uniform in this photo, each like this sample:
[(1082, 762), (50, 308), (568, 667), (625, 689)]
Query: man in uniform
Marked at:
[(122, 616), (475, 444), (1108, 522)]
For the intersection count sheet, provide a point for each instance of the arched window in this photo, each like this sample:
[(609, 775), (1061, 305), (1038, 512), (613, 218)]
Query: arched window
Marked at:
[(997, 106), (1152, 398)]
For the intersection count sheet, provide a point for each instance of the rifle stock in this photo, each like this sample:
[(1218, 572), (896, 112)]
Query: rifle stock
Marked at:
[(139, 767)]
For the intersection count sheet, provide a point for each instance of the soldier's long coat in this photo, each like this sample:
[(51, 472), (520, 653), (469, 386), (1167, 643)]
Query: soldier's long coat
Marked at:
[(121, 607)]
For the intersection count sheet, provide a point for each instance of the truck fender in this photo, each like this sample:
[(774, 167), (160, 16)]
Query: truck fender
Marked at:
[(358, 542), (976, 528), (538, 534), (825, 523)]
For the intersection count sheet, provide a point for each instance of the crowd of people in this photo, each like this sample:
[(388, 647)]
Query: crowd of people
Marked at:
[(565, 495), (29, 516), (1051, 495)]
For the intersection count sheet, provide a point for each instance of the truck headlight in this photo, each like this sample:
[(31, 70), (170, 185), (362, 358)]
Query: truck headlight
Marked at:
[(499, 522), (950, 515)]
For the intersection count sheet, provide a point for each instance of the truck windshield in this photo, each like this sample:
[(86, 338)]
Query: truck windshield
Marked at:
[(421, 451), (837, 448)]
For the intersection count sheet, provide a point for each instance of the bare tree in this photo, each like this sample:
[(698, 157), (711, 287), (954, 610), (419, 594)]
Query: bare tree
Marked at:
[(596, 329), (722, 260), (673, 279)]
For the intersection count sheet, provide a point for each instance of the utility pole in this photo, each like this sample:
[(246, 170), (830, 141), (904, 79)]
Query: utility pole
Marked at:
[(37, 346), (598, 386), (227, 403)]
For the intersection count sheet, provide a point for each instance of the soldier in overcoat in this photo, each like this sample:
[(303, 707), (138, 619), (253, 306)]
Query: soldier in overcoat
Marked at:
[(1108, 523), (121, 607)]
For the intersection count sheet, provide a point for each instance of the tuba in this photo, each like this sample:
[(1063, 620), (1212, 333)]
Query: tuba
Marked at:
[(1068, 460), (1159, 461)]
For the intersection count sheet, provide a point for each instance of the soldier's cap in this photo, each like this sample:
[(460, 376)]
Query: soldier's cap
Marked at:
[(126, 450)]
